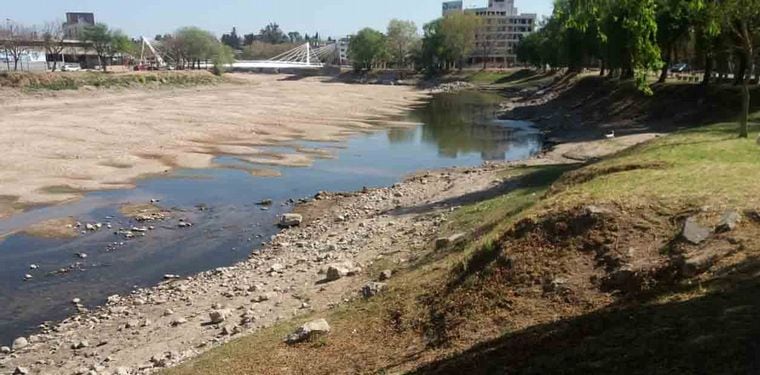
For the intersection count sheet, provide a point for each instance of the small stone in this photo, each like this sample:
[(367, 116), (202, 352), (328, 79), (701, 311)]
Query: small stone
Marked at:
[(168, 312), (21, 371), (33, 267), (265, 202), (230, 330), (20, 343), (309, 331), (693, 232), (114, 299), (278, 268), (82, 255), (132, 324), (5, 350), (80, 345), (290, 220), (729, 221), (452, 240), (122, 371), (218, 316), (385, 275), (178, 322), (337, 271), (27, 277), (76, 301), (372, 289), (263, 297)]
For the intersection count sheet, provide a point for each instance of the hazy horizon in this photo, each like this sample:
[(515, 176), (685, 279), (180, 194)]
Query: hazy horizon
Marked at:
[(327, 17)]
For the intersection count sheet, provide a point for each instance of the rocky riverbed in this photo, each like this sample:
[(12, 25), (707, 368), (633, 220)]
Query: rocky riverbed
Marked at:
[(320, 263)]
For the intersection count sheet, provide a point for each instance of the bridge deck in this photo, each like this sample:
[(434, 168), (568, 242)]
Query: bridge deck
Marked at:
[(274, 65)]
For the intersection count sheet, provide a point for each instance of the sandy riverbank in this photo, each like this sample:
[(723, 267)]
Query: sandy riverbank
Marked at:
[(57, 146)]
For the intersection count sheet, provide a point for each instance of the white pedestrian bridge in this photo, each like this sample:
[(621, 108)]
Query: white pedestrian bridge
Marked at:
[(302, 57)]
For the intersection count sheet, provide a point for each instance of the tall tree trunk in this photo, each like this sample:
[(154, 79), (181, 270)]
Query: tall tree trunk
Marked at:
[(666, 64), (708, 70), (603, 68), (741, 72), (749, 63)]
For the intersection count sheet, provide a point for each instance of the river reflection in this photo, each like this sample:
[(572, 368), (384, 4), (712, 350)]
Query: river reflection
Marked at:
[(465, 123)]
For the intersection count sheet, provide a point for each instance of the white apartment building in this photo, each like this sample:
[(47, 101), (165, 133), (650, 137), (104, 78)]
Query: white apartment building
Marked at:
[(502, 29)]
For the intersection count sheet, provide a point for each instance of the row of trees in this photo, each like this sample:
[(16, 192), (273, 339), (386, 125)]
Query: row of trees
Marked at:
[(370, 48), (186, 48), (445, 44), (631, 38), (191, 47), (270, 34), (15, 38)]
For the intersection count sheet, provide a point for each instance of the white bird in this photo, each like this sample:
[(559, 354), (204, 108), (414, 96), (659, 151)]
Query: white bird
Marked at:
[(610, 135)]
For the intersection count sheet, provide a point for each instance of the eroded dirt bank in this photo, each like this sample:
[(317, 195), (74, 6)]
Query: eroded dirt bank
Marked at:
[(56, 146)]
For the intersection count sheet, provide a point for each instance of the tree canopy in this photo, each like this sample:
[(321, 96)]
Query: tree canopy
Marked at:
[(367, 48)]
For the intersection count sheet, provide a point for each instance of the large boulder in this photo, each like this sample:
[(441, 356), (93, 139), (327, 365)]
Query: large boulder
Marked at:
[(290, 220), (309, 331)]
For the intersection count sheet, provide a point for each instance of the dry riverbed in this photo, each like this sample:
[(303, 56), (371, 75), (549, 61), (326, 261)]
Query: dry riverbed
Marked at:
[(60, 145)]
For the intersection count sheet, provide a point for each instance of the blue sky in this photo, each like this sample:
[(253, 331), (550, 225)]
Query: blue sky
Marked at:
[(328, 17)]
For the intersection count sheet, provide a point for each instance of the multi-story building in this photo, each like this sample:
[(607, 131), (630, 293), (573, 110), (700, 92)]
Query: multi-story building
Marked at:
[(75, 22), (501, 30), (342, 45)]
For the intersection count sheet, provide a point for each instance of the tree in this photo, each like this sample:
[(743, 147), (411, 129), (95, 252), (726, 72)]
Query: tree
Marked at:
[(248, 39), (195, 45), (232, 39), (272, 33), (459, 30), (673, 24), (121, 44), (367, 48), (402, 37), (100, 38), (14, 37), (223, 56), (742, 18), (295, 37), (52, 38)]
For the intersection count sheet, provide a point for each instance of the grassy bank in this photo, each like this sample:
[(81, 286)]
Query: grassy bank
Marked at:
[(77, 80), (575, 269)]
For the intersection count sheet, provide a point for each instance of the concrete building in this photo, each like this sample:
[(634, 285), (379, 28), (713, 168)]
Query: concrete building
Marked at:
[(342, 45), (503, 26), (75, 22)]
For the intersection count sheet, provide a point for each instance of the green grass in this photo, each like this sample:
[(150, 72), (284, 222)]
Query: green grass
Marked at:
[(702, 166)]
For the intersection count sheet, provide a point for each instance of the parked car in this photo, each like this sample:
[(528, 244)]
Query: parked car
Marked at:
[(71, 68), (680, 68)]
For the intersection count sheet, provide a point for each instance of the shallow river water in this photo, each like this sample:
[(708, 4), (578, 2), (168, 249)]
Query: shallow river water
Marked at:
[(455, 130)]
